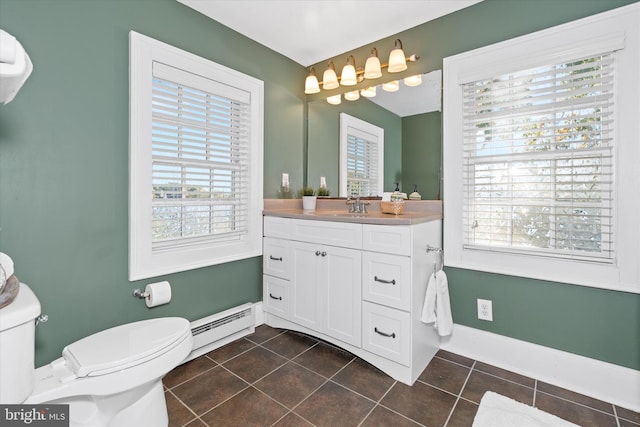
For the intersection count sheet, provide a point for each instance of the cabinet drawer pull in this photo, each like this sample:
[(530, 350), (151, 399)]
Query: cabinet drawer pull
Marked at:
[(391, 335), (393, 281), (278, 298), (274, 258)]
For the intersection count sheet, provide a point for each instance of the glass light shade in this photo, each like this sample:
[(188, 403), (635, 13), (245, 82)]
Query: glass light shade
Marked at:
[(369, 92), (413, 80), (397, 61), (311, 85), (372, 68), (334, 100), (354, 95), (391, 86), (348, 76), (329, 78)]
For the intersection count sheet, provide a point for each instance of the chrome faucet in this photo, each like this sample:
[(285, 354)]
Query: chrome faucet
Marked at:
[(356, 206)]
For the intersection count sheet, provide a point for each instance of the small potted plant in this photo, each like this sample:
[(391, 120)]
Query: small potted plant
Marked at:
[(324, 192), (308, 198)]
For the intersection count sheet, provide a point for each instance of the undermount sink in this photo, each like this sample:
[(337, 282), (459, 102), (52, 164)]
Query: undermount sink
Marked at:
[(335, 213)]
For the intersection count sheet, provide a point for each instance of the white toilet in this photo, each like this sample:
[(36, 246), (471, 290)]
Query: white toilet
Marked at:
[(112, 378)]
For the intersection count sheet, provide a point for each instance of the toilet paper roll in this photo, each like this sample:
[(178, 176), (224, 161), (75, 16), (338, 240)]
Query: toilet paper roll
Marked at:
[(159, 293)]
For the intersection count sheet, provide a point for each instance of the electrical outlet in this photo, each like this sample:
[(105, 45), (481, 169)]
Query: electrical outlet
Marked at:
[(485, 310)]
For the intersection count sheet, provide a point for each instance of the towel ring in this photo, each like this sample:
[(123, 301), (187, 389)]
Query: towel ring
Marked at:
[(439, 252)]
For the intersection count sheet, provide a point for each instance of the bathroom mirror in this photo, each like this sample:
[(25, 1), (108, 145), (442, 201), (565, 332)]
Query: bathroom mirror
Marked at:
[(411, 114)]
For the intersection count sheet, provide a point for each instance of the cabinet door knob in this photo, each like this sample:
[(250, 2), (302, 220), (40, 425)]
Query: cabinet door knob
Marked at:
[(318, 253), (278, 298), (377, 279), (391, 335), (274, 258), (323, 253)]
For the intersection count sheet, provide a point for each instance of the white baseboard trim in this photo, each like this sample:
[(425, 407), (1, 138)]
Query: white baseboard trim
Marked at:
[(600, 380)]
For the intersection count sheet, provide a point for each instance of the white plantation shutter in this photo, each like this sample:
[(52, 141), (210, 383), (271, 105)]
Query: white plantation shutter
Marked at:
[(362, 165), (195, 161), (361, 157), (539, 160), (200, 134)]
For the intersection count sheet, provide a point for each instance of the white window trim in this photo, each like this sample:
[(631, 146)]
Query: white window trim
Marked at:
[(585, 35), (346, 122), (143, 262)]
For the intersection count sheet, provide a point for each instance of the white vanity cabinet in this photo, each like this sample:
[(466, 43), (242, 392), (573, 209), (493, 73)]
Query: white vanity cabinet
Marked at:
[(359, 286)]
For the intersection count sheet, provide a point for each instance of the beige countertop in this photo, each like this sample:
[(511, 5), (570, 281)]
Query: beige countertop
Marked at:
[(416, 211)]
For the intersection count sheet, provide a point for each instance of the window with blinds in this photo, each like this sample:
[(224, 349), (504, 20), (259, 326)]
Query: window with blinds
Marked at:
[(362, 166), (538, 172), (200, 160), (195, 161), (361, 157)]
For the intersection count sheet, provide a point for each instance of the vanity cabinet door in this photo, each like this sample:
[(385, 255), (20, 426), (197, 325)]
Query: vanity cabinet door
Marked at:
[(343, 294), (305, 308)]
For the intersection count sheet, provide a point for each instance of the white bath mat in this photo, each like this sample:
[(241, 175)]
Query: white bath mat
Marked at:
[(499, 411)]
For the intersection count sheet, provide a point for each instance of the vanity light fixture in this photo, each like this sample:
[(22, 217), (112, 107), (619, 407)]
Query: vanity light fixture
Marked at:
[(413, 80), (352, 74), (348, 76), (369, 92), (372, 68), (329, 78), (311, 84), (397, 60), (391, 86), (354, 95), (334, 100)]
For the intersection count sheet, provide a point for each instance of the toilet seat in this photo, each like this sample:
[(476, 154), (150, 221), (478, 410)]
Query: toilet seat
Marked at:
[(123, 346)]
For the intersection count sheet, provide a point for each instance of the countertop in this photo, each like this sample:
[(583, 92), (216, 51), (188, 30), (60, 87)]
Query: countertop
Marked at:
[(416, 211)]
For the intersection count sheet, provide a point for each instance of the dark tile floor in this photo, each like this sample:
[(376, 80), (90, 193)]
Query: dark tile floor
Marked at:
[(282, 378)]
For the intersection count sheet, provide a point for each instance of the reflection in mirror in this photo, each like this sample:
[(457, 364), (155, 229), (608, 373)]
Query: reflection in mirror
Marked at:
[(394, 112)]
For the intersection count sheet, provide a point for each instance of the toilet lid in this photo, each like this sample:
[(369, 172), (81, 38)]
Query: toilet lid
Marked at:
[(125, 346)]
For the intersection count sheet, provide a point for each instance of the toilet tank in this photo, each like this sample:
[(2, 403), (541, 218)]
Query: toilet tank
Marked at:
[(17, 342)]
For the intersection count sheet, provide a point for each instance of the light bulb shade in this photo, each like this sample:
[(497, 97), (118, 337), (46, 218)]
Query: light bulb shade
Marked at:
[(391, 86), (348, 76), (334, 100), (311, 83), (372, 69), (354, 95), (397, 60), (369, 92), (329, 78), (413, 80)]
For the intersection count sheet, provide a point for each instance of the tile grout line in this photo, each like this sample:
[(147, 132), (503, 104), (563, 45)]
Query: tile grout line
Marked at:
[(459, 396)]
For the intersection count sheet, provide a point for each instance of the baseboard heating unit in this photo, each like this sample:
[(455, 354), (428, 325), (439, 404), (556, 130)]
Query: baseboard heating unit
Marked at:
[(221, 328)]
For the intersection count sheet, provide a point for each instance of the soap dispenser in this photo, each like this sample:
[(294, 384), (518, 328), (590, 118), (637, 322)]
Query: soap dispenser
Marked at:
[(396, 196), (415, 195)]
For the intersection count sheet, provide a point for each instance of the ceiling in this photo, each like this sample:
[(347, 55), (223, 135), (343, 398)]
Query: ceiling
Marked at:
[(310, 31)]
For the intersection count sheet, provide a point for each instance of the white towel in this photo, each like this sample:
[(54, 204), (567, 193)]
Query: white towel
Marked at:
[(437, 308)]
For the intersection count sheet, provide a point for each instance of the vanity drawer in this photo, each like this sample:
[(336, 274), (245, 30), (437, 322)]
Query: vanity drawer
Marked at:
[(275, 298), (393, 239), (346, 235), (277, 227), (386, 332), (386, 279), (276, 258)]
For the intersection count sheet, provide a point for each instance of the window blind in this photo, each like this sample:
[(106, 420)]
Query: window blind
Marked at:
[(538, 168), (200, 155), (362, 165)]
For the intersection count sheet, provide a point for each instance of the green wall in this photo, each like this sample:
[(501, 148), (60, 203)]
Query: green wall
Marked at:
[(596, 323), (422, 154), (64, 160)]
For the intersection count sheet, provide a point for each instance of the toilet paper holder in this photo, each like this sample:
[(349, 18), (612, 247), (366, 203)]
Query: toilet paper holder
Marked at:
[(139, 293)]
